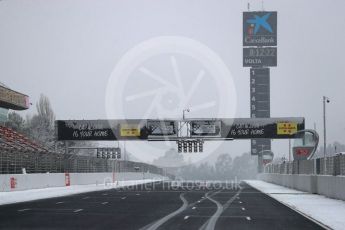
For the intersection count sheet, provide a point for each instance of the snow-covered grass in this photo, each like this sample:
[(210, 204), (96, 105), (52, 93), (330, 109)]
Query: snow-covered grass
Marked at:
[(43, 193), (329, 212)]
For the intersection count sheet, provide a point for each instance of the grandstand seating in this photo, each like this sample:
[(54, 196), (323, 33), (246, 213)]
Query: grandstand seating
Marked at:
[(18, 152), (15, 140)]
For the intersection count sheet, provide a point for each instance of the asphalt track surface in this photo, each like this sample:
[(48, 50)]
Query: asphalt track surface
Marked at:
[(157, 206)]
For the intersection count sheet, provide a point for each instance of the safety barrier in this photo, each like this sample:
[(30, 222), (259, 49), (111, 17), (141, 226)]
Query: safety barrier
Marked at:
[(18, 182), (13, 161), (310, 175), (335, 165), (327, 185)]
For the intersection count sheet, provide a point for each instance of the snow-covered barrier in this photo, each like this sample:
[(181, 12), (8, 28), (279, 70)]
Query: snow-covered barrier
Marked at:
[(330, 186), (19, 182)]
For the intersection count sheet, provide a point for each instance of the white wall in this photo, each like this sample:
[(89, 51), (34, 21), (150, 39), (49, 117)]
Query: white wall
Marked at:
[(46, 180), (330, 186)]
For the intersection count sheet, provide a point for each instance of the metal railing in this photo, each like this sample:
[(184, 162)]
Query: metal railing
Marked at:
[(13, 161), (335, 165)]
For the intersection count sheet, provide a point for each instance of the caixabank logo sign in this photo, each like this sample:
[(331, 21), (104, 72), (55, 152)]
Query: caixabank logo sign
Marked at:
[(260, 28)]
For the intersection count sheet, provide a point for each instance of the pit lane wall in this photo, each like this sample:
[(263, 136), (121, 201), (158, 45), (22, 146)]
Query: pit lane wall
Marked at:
[(327, 185), (19, 182)]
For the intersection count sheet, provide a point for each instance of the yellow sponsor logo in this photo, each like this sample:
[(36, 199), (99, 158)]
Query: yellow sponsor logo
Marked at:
[(130, 130), (286, 128)]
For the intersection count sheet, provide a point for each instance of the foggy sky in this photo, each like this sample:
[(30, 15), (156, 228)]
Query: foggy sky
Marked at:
[(68, 49)]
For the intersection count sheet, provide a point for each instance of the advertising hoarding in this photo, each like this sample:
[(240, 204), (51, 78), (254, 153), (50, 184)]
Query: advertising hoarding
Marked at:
[(160, 128), (135, 129), (260, 28), (205, 128), (10, 99)]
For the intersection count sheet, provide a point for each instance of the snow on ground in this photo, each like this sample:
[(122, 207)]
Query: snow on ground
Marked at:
[(43, 193), (327, 211)]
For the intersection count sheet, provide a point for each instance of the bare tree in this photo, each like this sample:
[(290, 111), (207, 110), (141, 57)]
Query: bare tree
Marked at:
[(41, 125), (15, 122), (45, 110)]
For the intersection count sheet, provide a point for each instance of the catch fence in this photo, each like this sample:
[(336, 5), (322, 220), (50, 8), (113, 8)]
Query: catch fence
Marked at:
[(334, 165), (15, 161)]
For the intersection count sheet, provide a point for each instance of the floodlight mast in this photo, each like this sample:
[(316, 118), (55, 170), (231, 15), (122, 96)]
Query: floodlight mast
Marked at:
[(183, 113), (324, 100)]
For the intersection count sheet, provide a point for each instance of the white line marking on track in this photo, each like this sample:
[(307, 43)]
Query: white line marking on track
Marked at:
[(137, 194), (186, 217), (199, 201), (78, 210), (23, 210), (222, 216), (105, 202), (240, 202), (60, 202), (193, 208), (248, 218), (104, 194), (243, 209), (123, 198), (84, 198)]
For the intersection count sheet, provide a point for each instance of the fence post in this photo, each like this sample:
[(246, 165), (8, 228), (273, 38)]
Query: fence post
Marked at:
[(336, 165), (296, 167)]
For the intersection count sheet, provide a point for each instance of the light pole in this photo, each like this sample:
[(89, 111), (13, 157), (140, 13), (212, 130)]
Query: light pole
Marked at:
[(124, 151), (260, 161), (325, 100), (289, 150), (183, 120)]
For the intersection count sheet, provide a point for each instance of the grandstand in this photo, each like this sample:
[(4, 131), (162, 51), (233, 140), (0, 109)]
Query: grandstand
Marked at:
[(19, 154), (11, 139)]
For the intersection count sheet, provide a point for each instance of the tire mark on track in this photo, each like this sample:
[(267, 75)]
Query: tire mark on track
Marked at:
[(211, 223), (161, 221)]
